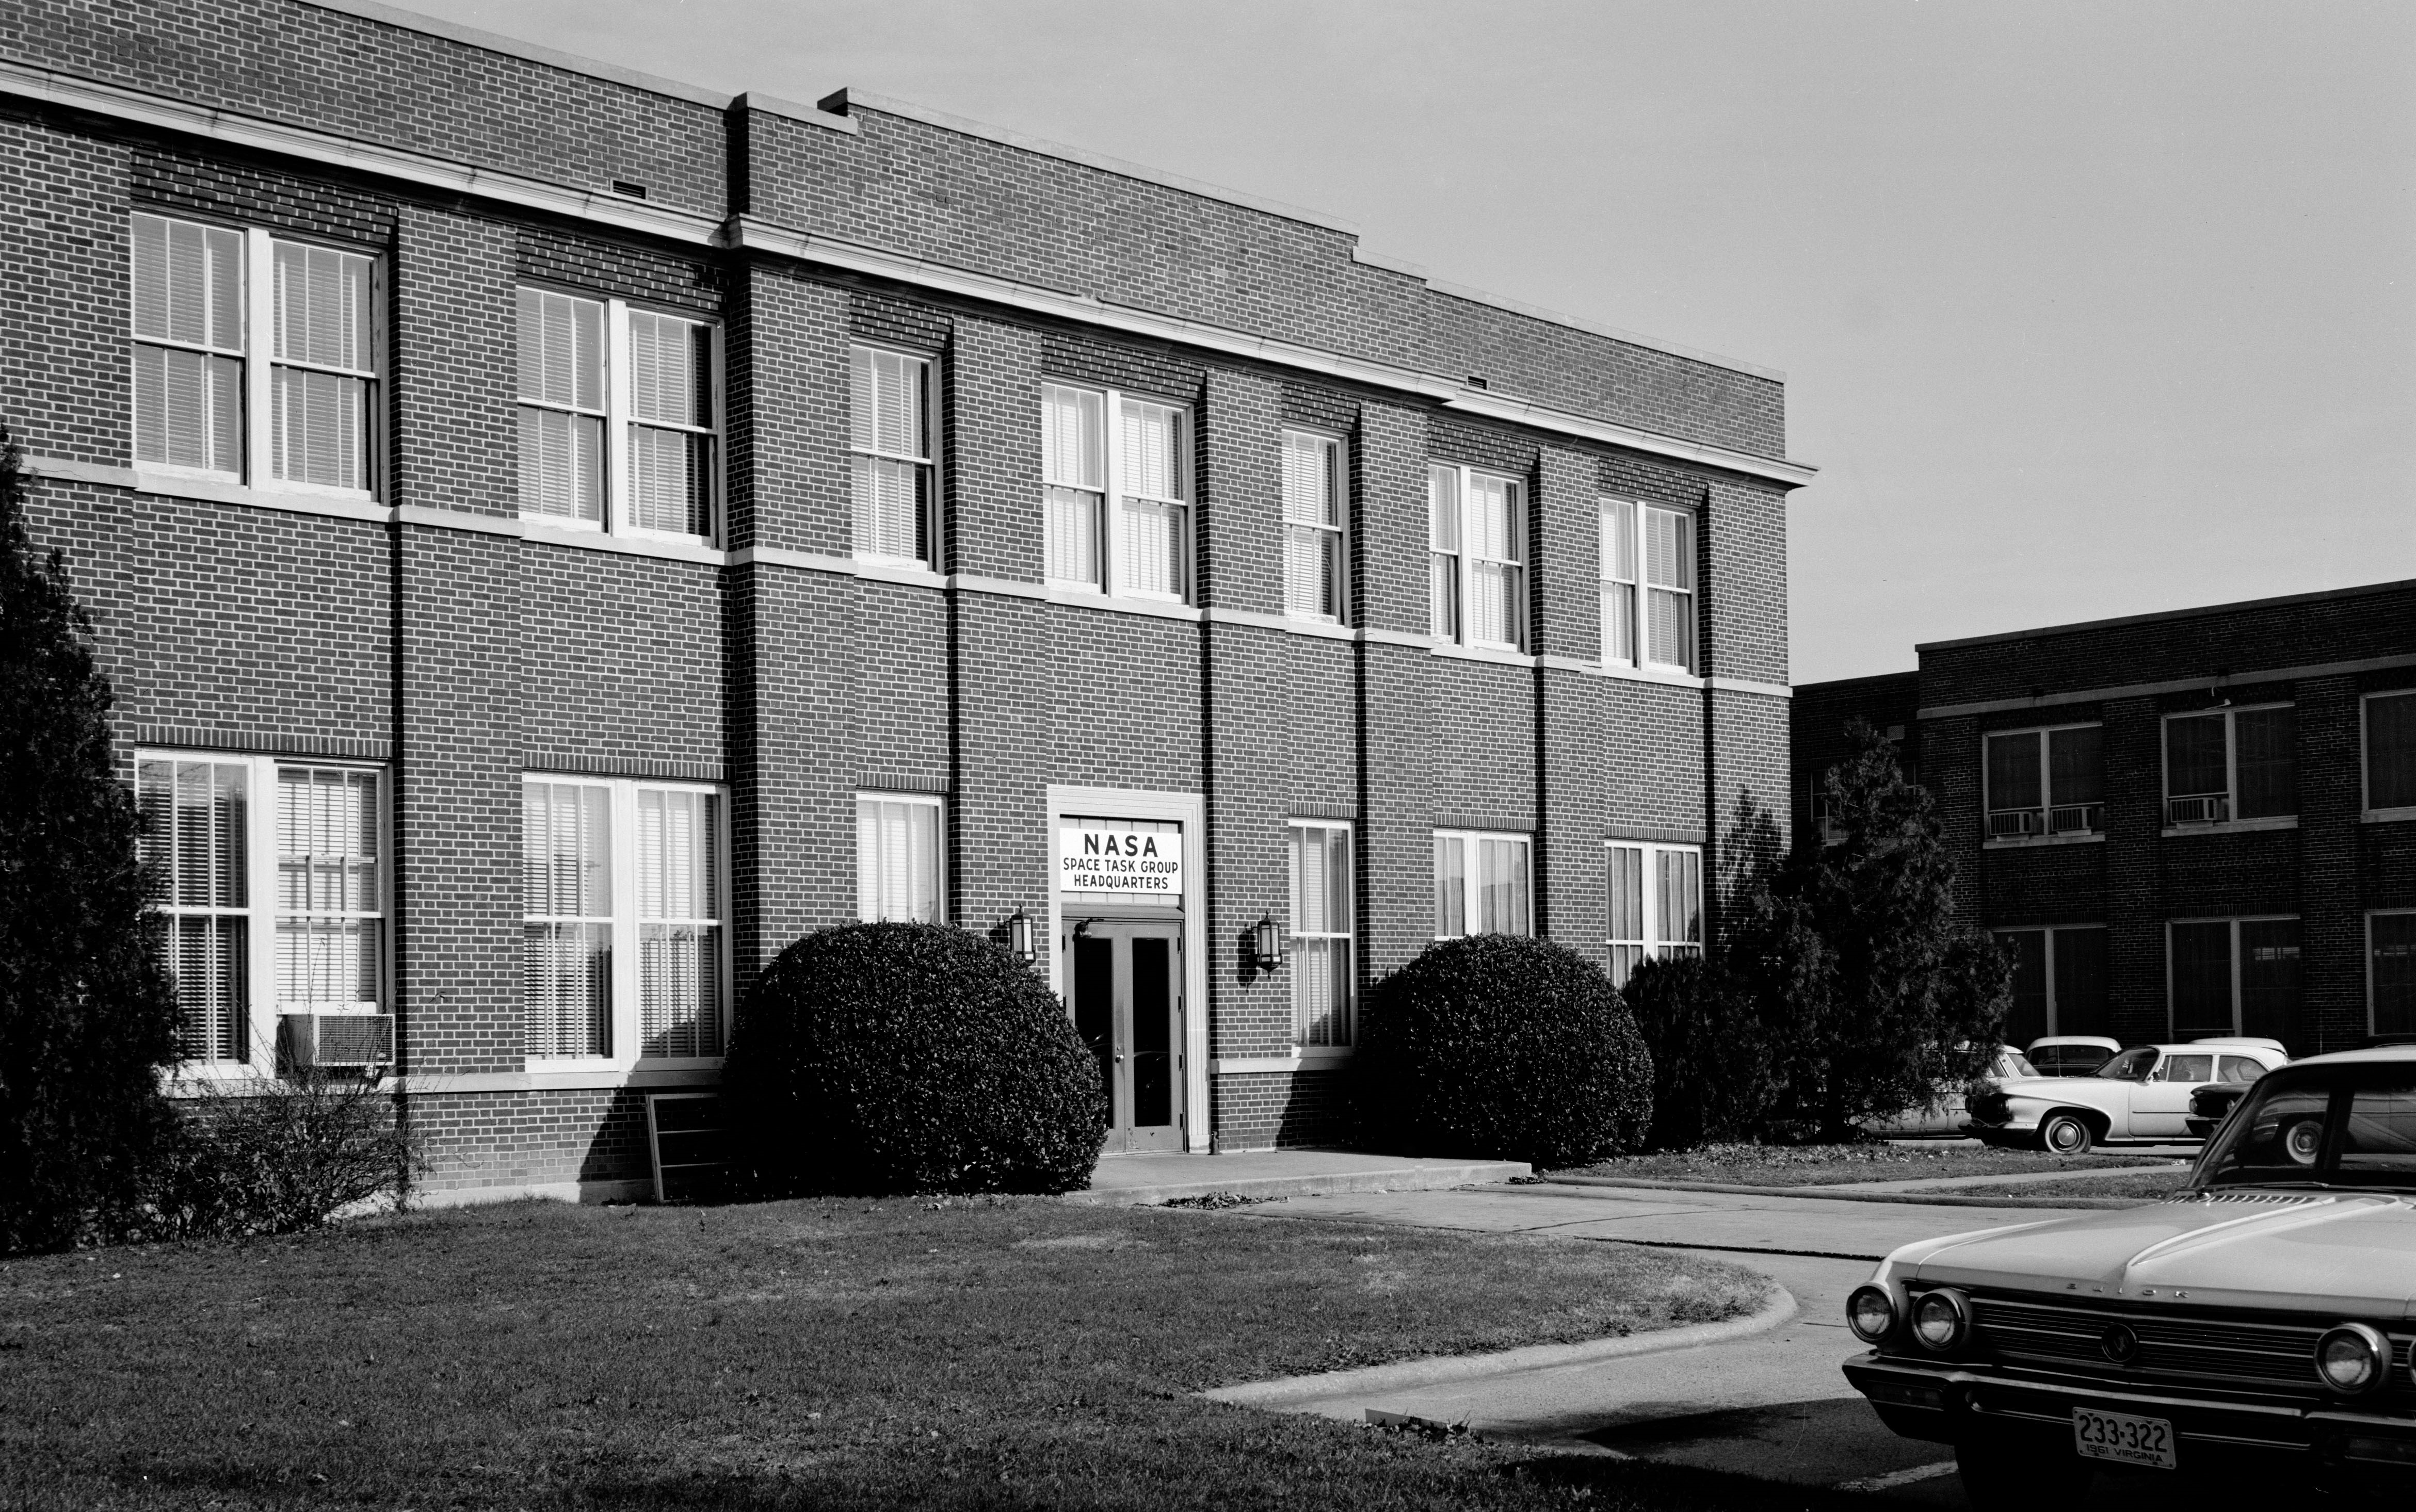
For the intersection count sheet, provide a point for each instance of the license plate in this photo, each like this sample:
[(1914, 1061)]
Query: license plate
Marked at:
[(2122, 1438)]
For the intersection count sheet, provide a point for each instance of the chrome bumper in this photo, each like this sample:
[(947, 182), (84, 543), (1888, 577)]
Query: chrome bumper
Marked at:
[(1956, 1403)]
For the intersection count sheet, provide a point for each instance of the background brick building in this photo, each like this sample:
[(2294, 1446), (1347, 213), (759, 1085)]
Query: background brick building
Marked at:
[(2191, 823), (558, 535)]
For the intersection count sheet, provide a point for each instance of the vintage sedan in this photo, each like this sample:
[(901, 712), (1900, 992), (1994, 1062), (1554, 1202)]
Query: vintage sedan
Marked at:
[(1946, 1118), (2140, 1096), (2262, 1318)]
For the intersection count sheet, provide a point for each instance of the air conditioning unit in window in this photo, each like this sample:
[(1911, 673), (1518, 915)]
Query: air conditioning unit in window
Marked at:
[(2009, 824), (335, 1041), (2209, 810)]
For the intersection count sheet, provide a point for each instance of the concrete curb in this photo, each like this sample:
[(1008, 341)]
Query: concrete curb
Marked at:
[(1441, 1176), (1834, 1195), (1293, 1389)]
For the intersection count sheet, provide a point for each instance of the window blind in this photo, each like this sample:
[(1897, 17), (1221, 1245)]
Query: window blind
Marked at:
[(1496, 577), (189, 331), (1627, 939), (670, 416), (196, 837), (1443, 547), (1312, 507), (1320, 935), (321, 376), (1155, 529), (1073, 469), (330, 895), (1669, 588), (1617, 580), (562, 405), (679, 927), (897, 860), (889, 435), (567, 968)]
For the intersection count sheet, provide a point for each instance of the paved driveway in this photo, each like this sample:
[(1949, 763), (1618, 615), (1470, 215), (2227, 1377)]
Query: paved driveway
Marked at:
[(1773, 1406)]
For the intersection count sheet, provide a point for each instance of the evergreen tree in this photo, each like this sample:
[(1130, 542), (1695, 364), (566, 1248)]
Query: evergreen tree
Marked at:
[(88, 1011), (1889, 999)]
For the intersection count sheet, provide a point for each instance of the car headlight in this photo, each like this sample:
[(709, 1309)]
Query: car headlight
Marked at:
[(1870, 1311), (1942, 1319), (2352, 1358)]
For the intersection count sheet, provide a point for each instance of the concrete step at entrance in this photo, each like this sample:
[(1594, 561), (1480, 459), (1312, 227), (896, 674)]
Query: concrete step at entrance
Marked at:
[(1137, 1180)]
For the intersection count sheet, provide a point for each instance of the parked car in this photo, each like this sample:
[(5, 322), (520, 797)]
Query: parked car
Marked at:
[(1947, 1117), (2257, 1320), (2209, 1105), (2142, 1095), (2071, 1054)]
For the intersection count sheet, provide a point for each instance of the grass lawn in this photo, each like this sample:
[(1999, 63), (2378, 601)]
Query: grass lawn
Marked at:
[(1817, 1165), (2145, 1187), (895, 1353)]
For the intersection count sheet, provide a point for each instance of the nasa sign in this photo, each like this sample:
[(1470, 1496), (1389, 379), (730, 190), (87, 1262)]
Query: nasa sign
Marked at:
[(1099, 860)]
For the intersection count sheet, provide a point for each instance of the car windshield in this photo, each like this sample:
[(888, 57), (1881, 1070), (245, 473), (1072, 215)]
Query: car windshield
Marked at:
[(2130, 1065), (2331, 1126)]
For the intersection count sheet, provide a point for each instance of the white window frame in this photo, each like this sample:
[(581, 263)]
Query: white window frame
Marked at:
[(2371, 915), (2229, 819), (261, 1006), (628, 1025), (2365, 759), (939, 807), (1654, 942), (259, 363), (1337, 463), (2084, 827), (926, 396), (619, 424), (1625, 526), (1295, 937), (2046, 955), (1113, 499), (1448, 623), (2234, 920), (1470, 881)]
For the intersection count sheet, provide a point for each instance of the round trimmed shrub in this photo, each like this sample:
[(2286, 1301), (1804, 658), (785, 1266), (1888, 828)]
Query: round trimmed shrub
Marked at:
[(910, 1057), (1502, 1047)]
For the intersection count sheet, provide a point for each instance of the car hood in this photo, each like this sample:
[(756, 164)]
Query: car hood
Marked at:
[(2332, 1253)]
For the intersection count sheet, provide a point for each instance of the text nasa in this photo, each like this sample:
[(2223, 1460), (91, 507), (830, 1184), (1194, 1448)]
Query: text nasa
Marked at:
[(1107, 860)]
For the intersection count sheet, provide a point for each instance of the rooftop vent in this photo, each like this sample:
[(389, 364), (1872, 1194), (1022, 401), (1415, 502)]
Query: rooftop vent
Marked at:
[(635, 191), (1474, 382)]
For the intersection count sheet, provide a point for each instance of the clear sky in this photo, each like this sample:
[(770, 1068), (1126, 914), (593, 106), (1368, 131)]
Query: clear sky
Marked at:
[(2086, 308)]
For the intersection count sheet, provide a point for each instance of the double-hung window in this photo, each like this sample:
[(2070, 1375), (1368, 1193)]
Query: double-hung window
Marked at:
[(2391, 972), (214, 826), (897, 858), (1115, 471), (619, 413), (2231, 764), (2391, 756), (625, 941), (1480, 884), (1313, 511), (2046, 782), (889, 444), (1648, 586), (2059, 981), (255, 357), (1657, 905), (1321, 998), (2233, 976), (1476, 532)]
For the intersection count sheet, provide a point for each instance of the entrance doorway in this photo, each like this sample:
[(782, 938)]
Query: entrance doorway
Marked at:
[(1128, 981)]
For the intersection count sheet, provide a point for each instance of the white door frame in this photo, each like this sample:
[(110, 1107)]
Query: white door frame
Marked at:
[(1190, 811)]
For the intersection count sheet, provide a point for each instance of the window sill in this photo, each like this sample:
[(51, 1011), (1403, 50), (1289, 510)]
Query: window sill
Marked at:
[(2284, 821), (549, 533), (2399, 816), (561, 1076), (1498, 655), (1147, 607), (1307, 1058), (2094, 837), (896, 570)]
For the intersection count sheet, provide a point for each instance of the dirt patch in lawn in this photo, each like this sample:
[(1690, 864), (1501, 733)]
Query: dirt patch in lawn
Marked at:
[(1822, 1165), (792, 1355)]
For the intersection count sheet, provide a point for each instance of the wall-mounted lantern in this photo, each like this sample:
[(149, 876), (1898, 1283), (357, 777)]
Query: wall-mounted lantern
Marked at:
[(1266, 943), (1019, 937)]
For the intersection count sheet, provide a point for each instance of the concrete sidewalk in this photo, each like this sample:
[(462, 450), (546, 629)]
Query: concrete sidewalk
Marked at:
[(1133, 1180)]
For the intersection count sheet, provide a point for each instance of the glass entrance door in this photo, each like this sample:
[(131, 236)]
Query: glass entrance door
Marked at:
[(1128, 990)]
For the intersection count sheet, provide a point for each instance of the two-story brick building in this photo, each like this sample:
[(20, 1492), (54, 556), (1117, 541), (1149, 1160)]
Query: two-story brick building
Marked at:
[(2185, 824), (558, 535)]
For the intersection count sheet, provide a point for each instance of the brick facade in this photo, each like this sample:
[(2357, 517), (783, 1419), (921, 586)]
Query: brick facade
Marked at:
[(2330, 866), (429, 627)]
